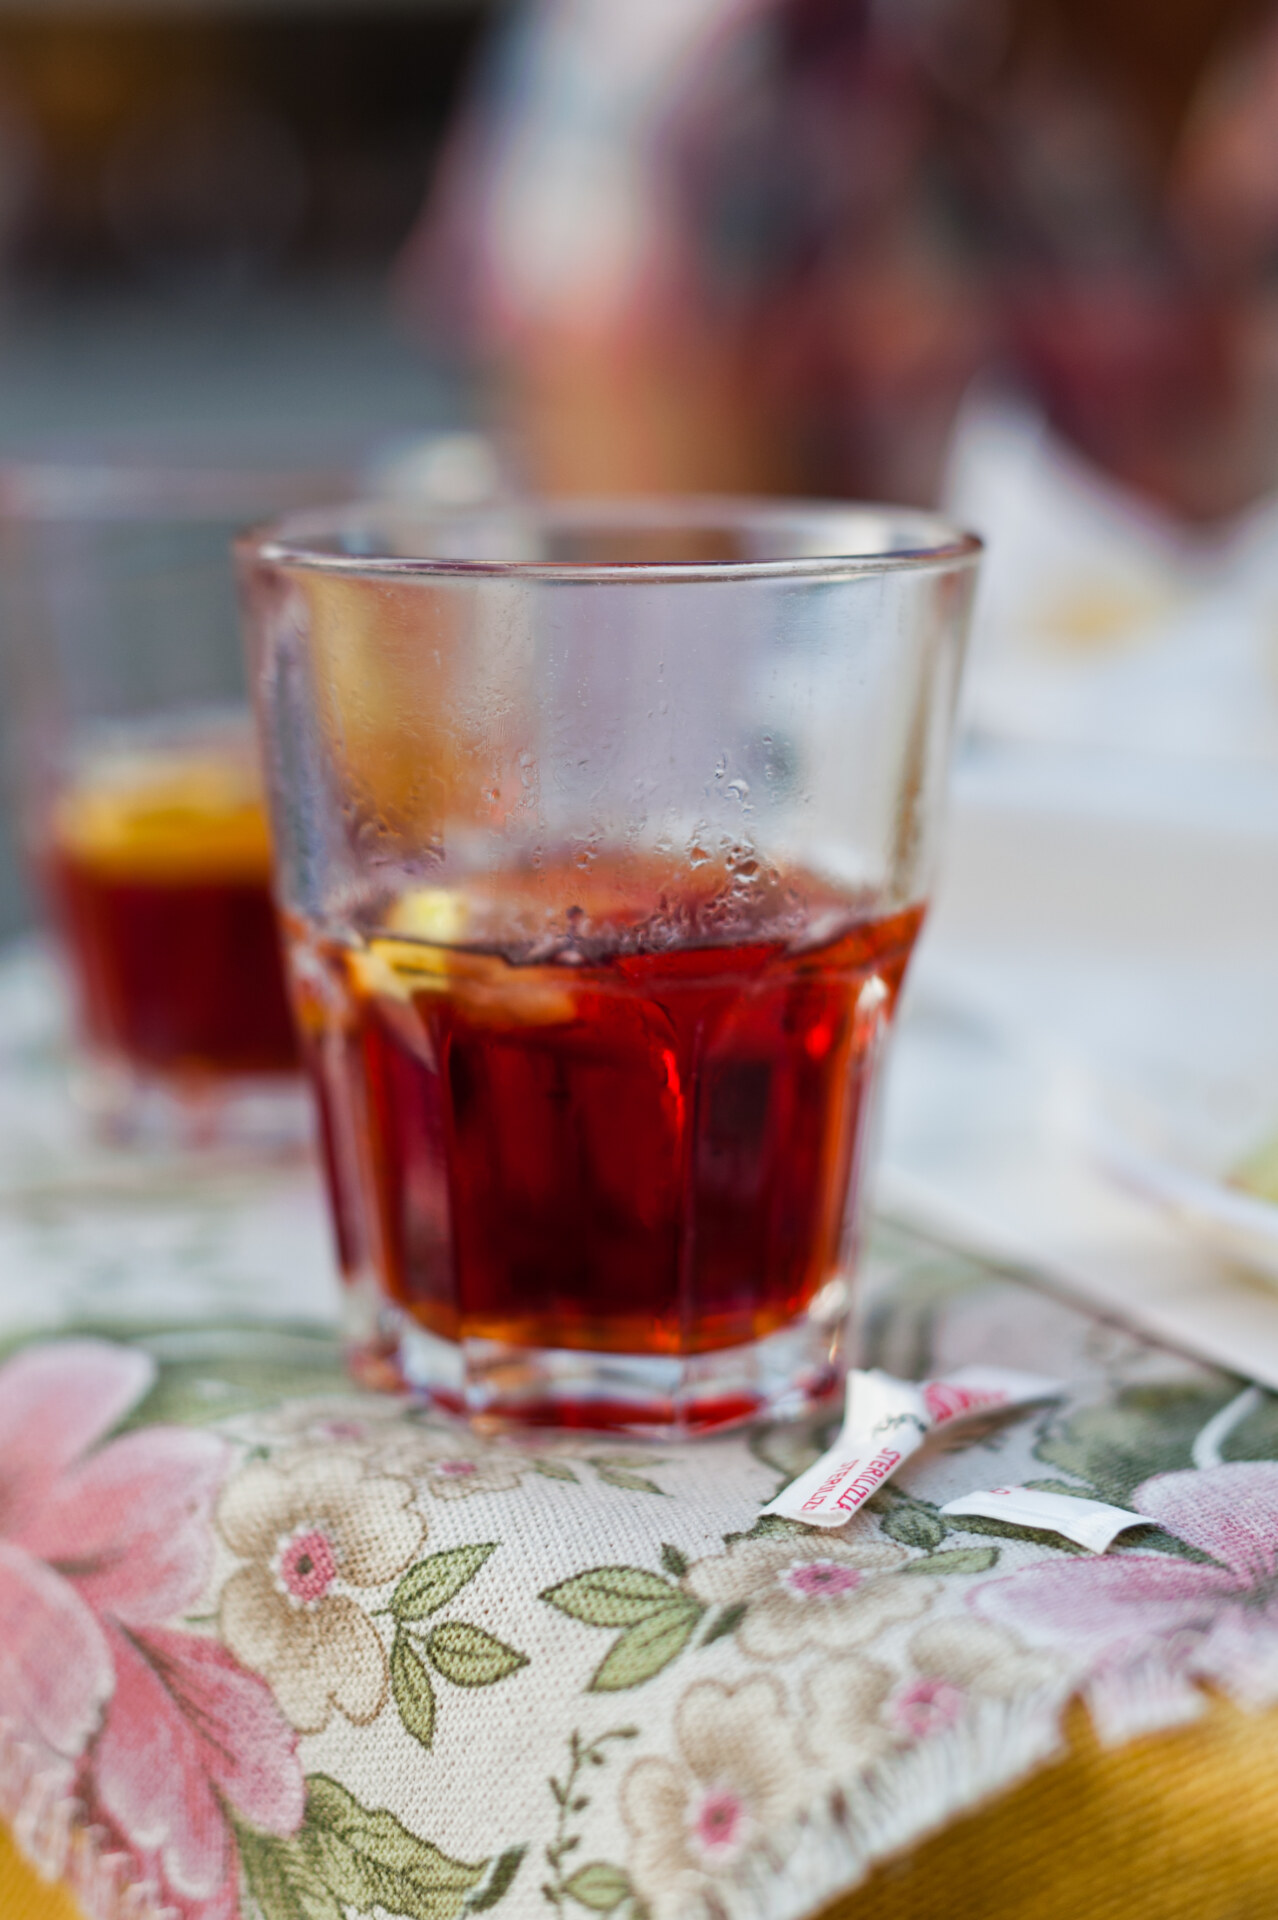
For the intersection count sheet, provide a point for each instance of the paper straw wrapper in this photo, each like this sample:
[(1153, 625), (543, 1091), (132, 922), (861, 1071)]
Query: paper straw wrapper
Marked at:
[(886, 1421)]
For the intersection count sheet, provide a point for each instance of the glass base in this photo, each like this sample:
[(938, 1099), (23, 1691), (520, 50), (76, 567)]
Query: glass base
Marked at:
[(780, 1377), (236, 1113)]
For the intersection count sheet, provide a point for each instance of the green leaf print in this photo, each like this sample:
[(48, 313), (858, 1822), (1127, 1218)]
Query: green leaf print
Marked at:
[(591, 1888), (916, 1523), (1146, 1430), (774, 1525), (958, 1560), (461, 1653), (504, 1869), (651, 1644), (369, 1860), (913, 1526), (469, 1657), (555, 1470), (726, 1621), (599, 1886), (208, 1373), (1256, 1436), (611, 1596), (674, 1562), (432, 1583), (1009, 1530), (1069, 1487), (351, 1860), (413, 1693), (282, 1880), (790, 1449), (622, 1477), (657, 1616)]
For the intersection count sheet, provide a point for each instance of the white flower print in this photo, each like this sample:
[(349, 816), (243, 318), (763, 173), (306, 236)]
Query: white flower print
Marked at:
[(310, 1529), (807, 1591), (736, 1779), (845, 1727), (452, 1464), (856, 1710), (354, 1422), (959, 1660)]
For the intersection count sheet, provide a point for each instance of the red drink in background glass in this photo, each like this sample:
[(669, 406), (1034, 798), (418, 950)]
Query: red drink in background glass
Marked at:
[(159, 869), (645, 1143)]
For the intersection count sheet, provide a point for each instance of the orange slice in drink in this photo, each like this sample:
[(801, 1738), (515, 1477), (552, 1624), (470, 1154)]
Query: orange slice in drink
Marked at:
[(166, 818), (415, 959)]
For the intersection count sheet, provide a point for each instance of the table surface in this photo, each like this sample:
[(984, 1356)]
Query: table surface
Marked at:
[(590, 1666), (566, 1663)]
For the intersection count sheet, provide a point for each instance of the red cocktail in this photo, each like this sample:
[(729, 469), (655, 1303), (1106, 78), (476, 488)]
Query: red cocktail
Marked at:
[(648, 1142), (159, 869)]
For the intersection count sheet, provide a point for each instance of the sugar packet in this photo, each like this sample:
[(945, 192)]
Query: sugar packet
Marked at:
[(886, 1420), (1089, 1523)]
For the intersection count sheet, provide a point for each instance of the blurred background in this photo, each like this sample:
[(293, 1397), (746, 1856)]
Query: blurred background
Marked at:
[(1017, 256), (200, 204)]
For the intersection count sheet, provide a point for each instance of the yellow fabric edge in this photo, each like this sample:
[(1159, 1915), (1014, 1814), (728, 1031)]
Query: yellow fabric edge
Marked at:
[(1181, 1825), (24, 1895)]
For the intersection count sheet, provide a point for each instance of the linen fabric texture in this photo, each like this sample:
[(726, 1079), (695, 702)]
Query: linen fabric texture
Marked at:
[(275, 1649)]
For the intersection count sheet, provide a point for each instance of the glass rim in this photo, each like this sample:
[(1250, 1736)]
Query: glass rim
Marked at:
[(929, 541)]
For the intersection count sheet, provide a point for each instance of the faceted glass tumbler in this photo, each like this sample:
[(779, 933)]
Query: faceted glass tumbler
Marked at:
[(603, 834)]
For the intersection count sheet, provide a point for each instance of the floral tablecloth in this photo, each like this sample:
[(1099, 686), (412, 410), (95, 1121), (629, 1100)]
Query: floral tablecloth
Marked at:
[(275, 1649)]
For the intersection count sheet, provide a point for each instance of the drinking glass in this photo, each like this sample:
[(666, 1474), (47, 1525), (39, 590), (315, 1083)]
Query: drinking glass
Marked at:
[(139, 787), (603, 834)]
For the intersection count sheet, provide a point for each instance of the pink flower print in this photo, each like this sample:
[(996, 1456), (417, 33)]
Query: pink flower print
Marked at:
[(56, 1672), (856, 1709), (354, 1420), (100, 1550), (130, 1526), (821, 1579), (306, 1566), (1175, 1619), (57, 1400), (720, 1824), (55, 1666), (452, 1466), (187, 1730), (927, 1706)]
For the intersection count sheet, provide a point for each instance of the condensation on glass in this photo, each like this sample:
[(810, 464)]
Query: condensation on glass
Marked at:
[(603, 835)]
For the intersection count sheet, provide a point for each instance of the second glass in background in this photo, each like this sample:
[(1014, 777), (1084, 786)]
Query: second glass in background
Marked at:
[(139, 787)]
